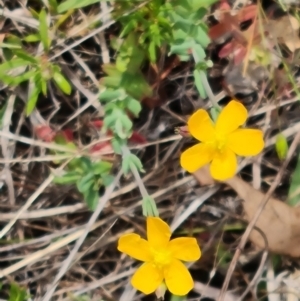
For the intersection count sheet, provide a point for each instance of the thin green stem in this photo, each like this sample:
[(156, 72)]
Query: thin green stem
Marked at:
[(205, 83)]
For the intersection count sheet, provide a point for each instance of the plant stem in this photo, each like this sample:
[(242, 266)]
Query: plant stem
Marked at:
[(205, 83)]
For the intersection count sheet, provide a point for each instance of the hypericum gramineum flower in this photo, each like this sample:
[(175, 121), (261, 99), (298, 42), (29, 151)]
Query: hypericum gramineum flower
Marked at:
[(162, 258), (221, 142)]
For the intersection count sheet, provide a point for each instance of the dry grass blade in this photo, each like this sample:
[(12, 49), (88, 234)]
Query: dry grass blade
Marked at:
[(67, 263), (258, 212)]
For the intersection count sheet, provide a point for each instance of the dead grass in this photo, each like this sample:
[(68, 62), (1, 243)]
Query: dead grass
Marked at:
[(53, 246)]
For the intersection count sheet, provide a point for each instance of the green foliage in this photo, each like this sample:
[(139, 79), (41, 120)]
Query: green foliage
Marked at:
[(88, 177), (149, 24), (73, 4), (281, 146), (178, 298), (16, 293), (294, 190), (117, 105), (149, 207), (20, 66), (131, 161)]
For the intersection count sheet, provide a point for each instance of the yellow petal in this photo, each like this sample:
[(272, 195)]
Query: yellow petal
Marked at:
[(196, 156), (135, 246), (158, 232), (201, 126), (224, 165), (147, 278), (185, 248), (178, 279), (246, 142), (231, 117)]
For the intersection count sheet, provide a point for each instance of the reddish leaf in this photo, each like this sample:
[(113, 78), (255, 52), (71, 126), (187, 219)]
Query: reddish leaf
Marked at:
[(227, 24), (68, 134), (234, 49), (97, 123), (45, 133), (102, 148), (137, 138)]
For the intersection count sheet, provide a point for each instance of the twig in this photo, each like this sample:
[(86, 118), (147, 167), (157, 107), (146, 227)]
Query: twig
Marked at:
[(256, 276), (67, 263), (255, 218), (37, 256)]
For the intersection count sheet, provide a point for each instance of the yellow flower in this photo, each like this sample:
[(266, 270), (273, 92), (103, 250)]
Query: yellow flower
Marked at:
[(162, 258), (221, 142)]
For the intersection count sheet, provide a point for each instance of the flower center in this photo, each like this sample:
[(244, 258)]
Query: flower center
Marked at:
[(220, 142), (161, 258)]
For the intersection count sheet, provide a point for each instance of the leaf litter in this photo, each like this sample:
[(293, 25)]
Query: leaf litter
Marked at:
[(41, 237)]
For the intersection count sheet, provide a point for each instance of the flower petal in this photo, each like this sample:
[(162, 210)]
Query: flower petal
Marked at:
[(224, 165), (201, 126), (178, 279), (197, 156), (158, 232), (231, 117), (135, 246), (185, 248), (147, 278), (246, 142)]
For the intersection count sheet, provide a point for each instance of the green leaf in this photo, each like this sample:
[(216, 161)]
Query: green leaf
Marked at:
[(182, 47), (12, 39), (53, 6), (86, 164), (117, 144), (152, 51), (43, 30), (131, 161), (16, 80), (91, 198), (109, 95), (86, 182), (126, 165), (195, 4), (201, 36), (133, 105), (13, 64), (32, 38), (73, 4), (44, 86), (10, 46), (119, 129), (101, 167), (135, 85), (68, 178), (62, 83), (149, 207), (2, 112), (107, 179), (294, 190), (17, 293), (281, 146), (33, 98)]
